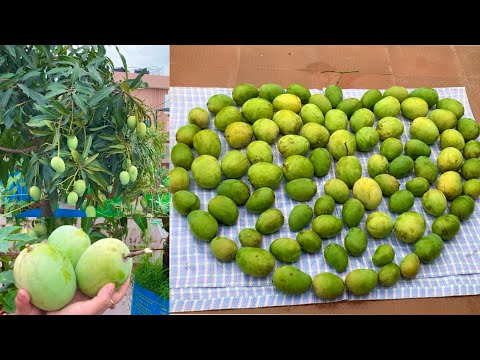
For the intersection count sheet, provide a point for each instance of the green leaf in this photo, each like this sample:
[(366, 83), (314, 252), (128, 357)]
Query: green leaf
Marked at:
[(141, 221), (80, 103), (101, 51), (20, 237), (5, 97), (37, 123), (100, 95), (118, 146), (9, 300), (56, 139), (46, 50), (58, 91), (41, 117), (75, 156), (50, 126), (11, 50), (95, 167), (68, 60), (117, 152), (96, 235), (4, 246), (76, 73), (25, 56), (31, 74), (86, 224), (137, 80), (47, 110), (124, 62), (40, 133), (99, 128), (56, 70), (86, 90), (93, 73), (88, 145), (59, 107), (6, 76), (124, 86), (7, 230), (32, 94), (97, 179), (6, 277), (90, 159), (108, 137)]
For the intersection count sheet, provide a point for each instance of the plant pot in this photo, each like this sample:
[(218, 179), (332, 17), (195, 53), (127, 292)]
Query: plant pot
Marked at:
[(145, 302)]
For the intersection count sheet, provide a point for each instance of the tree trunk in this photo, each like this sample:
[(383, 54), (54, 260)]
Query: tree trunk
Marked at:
[(46, 209)]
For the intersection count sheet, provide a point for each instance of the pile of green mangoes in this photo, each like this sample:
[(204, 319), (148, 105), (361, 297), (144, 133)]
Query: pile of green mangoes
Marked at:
[(319, 122), (50, 271)]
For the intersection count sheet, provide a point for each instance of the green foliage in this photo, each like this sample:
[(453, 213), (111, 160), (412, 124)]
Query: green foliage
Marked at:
[(151, 275), (50, 92)]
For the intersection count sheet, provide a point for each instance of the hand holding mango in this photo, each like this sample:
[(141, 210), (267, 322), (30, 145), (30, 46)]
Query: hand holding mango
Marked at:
[(51, 271)]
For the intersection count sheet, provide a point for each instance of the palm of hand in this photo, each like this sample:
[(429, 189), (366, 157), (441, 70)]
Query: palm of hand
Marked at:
[(80, 304)]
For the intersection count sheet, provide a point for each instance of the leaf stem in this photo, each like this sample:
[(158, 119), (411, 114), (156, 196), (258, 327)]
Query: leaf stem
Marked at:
[(19, 208)]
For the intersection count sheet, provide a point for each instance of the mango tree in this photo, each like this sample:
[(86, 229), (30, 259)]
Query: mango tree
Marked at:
[(75, 134)]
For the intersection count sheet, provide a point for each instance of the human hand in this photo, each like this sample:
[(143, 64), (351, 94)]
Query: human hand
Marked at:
[(80, 304)]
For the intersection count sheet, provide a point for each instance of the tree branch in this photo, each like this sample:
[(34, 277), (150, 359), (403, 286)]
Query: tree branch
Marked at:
[(19, 151), (140, 252), (14, 254)]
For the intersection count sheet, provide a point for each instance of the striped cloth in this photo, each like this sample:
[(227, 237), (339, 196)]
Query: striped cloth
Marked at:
[(200, 282)]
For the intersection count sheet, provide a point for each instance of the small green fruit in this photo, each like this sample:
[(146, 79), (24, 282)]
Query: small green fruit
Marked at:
[(79, 187), (90, 211), (35, 193), (72, 142), (57, 164), (141, 130), (101, 196), (132, 122), (124, 178), (72, 198), (40, 229), (133, 173)]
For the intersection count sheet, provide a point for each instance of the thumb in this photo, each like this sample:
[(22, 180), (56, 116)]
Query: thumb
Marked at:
[(101, 302), (22, 303)]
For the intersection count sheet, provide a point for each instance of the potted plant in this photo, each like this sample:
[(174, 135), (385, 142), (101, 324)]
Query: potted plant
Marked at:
[(150, 288), (150, 275)]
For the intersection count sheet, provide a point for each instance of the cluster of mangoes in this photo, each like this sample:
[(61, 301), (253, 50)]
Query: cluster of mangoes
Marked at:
[(78, 186), (51, 271), (305, 122)]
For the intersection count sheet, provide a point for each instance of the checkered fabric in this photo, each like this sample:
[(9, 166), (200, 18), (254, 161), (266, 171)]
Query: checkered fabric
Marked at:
[(199, 282)]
